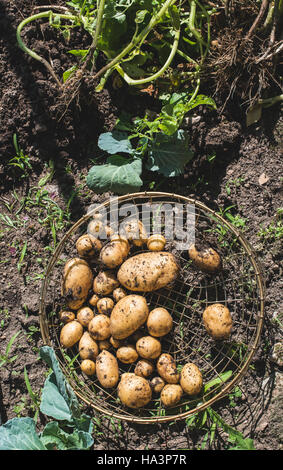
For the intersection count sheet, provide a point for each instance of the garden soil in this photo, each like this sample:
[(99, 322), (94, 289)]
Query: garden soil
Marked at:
[(234, 166)]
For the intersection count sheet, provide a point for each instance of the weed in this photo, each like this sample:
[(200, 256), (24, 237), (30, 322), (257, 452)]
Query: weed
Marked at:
[(274, 231), (20, 161), (5, 358)]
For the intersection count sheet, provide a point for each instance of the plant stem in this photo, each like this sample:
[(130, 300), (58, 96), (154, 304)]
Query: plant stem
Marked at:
[(192, 24)]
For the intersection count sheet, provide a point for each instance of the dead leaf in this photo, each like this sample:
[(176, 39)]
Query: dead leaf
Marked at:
[(263, 179)]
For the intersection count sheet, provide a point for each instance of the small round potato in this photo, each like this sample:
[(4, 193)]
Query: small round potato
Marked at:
[(88, 347), (66, 316), (134, 391), (127, 354), (171, 394), (104, 344), (207, 260), (191, 379), (156, 242), (71, 333), (107, 370), (105, 305), (217, 321), (166, 367), (159, 322), (77, 280), (99, 327), (84, 315), (118, 294), (93, 300), (105, 282), (88, 246), (148, 347), (88, 367), (144, 368), (157, 384)]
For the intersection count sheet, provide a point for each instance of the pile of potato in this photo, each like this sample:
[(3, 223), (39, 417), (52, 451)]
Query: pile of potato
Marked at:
[(107, 316)]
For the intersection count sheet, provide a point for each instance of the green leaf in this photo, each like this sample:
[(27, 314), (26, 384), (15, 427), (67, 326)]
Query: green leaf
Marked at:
[(20, 434), (68, 73), (53, 437), (78, 52), (114, 142), (169, 154), (118, 175)]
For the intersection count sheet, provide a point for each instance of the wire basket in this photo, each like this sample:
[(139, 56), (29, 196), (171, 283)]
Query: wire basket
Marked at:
[(238, 285)]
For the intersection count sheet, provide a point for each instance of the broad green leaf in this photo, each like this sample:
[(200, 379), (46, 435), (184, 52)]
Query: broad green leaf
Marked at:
[(78, 52), (114, 142), (118, 175), (168, 154), (20, 434), (68, 73), (54, 438)]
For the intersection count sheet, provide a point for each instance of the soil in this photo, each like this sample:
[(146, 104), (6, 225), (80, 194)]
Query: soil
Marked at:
[(234, 166)]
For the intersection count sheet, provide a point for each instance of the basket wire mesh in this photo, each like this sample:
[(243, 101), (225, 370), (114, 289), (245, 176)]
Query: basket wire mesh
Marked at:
[(239, 285)]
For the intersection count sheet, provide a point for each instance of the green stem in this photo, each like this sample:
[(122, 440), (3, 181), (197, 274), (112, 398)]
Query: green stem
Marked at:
[(192, 24), (34, 55)]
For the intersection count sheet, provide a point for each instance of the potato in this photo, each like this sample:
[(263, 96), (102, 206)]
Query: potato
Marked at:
[(99, 327), (191, 379), (134, 391), (66, 316), (88, 246), (127, 354), (118, 294), (77, 281), (207, 259), (107, 370), (217, 321), (88, 367), (105, 282), (93, 300), (71, 333), (114, 252), (156, 242), (116, 343), (148, 347), (144, 368), (88, 347), (157, 384), (159, 322), (84, 315), (105, 305), (148, 271), (96, 228), (128, 315), (171, 394), (104, 344), (166, 368), (135, 232)]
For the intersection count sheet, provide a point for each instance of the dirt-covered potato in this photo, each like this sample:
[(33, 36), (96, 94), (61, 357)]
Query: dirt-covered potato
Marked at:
[(116, 343), (84, 315), (119, 294), (93, 300), (144, 368), (128, 315), (135, 232), (171, 394), (217, 321), (99, 327), (88, 347), (105, 305), (157, 384), (191, 379), (71, 333), (96, 228), (148, 347), (114, 252), (77, 281), (105, 282), (207, 259), (88, 246), (88, 367), (134, 391), (166, 368), (156, 242), (148, 271), (66, 316), (107, 370), (127, 354), (159, 322), (104, 344)]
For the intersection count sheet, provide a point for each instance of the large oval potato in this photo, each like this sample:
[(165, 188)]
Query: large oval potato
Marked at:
[(148, 271), (134, 391), (191, 379), (71, 333), (77, 281), (107, 370), (166, 368), (217, 321), (128, 315)]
